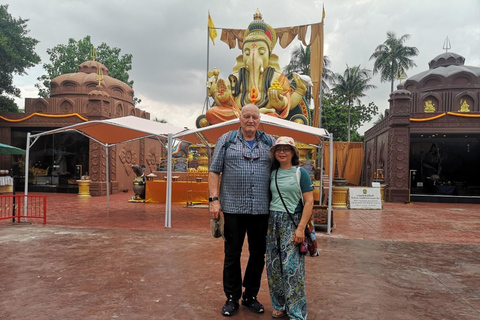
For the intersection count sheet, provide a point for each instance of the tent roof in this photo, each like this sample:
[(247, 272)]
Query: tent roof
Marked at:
[(119, 130), (269, 124)]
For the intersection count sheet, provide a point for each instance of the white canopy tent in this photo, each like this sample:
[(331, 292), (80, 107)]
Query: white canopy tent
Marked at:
[(108, 133), (271, 125), (120, 130)]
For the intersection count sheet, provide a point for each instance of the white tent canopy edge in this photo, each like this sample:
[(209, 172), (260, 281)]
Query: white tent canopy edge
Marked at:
[(107, 133)]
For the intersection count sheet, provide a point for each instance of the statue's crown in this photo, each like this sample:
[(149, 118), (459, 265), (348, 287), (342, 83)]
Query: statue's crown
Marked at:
[(258, 29)]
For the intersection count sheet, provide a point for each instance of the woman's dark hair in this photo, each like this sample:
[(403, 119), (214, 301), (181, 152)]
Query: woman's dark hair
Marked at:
[(295, 160)]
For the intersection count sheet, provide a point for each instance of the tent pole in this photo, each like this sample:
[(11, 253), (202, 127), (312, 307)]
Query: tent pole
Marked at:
[(320, 152), (108, 176), (330, 174), (168, 204), (27, 160)]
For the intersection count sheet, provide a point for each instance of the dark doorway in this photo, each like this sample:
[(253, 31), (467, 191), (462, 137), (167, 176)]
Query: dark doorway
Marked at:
[(56, 161), (445, 164)]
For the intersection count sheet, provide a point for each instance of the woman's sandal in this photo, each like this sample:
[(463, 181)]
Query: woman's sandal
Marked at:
[(278, 314)]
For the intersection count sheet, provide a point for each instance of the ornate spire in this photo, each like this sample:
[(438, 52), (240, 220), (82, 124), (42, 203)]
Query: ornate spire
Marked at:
[(99, 76), (93, 54), (447, 45)]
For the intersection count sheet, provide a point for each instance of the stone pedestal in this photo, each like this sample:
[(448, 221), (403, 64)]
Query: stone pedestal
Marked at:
[(84, 188), (339, 197)]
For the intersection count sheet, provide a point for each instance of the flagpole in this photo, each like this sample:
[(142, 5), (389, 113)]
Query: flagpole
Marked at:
[(205, 106)]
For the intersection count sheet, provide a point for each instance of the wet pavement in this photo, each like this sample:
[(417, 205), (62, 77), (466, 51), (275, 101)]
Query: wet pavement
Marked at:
[(415, 261)]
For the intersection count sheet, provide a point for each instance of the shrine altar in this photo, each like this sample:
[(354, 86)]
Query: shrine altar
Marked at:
[(182, 191)]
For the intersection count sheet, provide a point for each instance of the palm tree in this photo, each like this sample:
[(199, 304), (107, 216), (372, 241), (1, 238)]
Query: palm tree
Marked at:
[(393, 58), (351, 86), (300, 63), (380, 118)]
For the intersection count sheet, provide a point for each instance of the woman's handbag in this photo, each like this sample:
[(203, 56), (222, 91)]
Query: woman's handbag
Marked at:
[(310, 243)]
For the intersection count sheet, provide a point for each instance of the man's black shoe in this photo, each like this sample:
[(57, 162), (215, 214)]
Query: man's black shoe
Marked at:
[(252, 303), (230, 307)]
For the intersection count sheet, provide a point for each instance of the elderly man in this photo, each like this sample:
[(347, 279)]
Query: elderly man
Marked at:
[(242, 157)]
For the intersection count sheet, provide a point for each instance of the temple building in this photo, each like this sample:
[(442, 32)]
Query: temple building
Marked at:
[(428, 146), (58, 160)]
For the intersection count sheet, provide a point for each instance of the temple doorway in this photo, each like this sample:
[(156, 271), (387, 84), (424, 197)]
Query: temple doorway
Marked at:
[(57, 161), (445, 164)]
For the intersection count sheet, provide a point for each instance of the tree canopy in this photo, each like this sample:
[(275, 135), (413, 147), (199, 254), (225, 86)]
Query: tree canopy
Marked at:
[(66, 59), (335, 117), (392, 58), (300, 63), (16, 55)]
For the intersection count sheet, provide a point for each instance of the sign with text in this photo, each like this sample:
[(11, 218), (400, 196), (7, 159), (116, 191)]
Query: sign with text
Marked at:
[(365, 198)]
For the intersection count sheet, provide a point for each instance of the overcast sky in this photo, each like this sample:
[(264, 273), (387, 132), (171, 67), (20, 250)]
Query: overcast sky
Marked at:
[(168, 39)]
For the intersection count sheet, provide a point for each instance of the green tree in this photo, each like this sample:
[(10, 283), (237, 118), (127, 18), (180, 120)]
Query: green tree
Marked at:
[(300, 63), (66, 59), (392, 58), (7, 105), (351, 87), (16, 55), (335, 117)]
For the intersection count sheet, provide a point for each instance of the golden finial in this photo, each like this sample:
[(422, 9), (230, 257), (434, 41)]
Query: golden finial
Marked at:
[(99, 76), (401, 75), (447, 45), (257, 15), (93, 53)]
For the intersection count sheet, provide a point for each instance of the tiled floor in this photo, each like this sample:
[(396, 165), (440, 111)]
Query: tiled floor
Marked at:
[(415, 261)]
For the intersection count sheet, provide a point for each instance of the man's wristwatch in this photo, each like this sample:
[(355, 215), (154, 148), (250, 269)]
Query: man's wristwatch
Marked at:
[(211, 199)]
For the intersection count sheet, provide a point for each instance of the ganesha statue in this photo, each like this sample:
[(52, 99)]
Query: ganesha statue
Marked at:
[(257, 78)]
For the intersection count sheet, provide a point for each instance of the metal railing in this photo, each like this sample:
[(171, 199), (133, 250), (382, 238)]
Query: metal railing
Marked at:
[(12, 207)]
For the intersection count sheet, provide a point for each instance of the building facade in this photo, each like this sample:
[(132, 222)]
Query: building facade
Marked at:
[(428, 145), (58, 160)]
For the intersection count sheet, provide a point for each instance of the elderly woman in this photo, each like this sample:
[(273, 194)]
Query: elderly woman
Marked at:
[(285, 263)]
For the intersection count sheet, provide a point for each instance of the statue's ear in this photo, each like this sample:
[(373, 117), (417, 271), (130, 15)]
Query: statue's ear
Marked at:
[(274, 63), (238, 64), (233, 80)]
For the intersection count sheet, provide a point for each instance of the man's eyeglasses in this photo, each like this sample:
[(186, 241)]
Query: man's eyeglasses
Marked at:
[(252, 156), (283, 148)]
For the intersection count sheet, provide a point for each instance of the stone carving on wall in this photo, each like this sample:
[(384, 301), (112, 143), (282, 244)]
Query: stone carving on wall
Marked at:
[(429, 106), (40, 107), (105, 108), (464, 106), (127, 157), (141, 157), (399, 159), (151, 160), (97, 162), (113, 163), (119, 110), (66, 107), (94, 107)]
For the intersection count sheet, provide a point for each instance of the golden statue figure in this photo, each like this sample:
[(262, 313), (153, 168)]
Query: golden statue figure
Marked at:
[(257, 78), (464, 107), (429, 106)]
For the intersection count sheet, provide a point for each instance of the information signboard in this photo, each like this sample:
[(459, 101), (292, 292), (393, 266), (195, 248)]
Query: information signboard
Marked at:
[(365, 198)]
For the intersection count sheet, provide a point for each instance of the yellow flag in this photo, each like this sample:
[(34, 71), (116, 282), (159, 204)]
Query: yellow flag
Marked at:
[(323, 13), (212, 32)]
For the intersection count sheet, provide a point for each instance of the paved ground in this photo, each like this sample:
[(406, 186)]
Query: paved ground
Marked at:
[(416, 261)]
